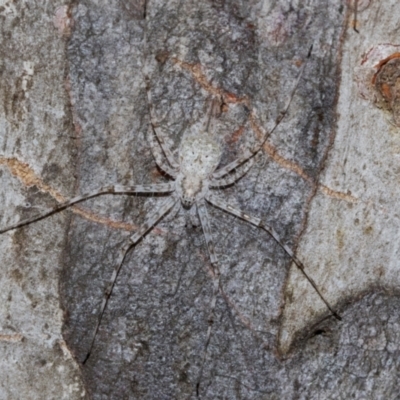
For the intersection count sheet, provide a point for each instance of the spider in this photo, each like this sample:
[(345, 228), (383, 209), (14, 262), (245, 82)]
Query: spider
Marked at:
[(194, 177)]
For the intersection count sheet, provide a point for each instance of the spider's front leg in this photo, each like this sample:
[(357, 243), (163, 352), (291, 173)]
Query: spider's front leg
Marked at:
[(193, 216), (113, 190), (205, 223), (152, 219)]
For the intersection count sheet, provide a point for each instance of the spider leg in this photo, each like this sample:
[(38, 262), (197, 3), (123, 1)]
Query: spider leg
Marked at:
[(160, 136), (116, 190), (220, 173), (205, 223), (355, 16), (149, 223), (215, 201), (250, 152), (194, 219), (173, 212), (233, 176), (157, 152)]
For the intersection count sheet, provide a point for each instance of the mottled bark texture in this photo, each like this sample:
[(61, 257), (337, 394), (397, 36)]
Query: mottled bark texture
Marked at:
[(74, 117)]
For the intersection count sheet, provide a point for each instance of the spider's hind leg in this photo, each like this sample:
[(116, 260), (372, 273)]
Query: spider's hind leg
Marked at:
[(249, 153), (160, 135), (234, 175)]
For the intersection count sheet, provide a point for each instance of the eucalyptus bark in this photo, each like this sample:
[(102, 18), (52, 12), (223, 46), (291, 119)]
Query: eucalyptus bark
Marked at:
[(74, 117)]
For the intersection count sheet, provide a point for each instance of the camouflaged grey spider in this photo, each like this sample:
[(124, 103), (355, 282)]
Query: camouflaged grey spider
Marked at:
[(195, 174)]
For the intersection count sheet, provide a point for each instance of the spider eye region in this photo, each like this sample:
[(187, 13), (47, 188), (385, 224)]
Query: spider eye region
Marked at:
[(187, 201)]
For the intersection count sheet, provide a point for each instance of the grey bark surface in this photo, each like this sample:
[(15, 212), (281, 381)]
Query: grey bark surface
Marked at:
[(74, 117)]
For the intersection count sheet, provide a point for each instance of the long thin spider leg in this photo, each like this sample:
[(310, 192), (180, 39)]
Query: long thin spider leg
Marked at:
[(355, 16), (213, 111), (233, 176), (115, 190), (149, 223), (220, 173), (158, 154), (205, 223), (174, 212), (249, 153), (215, 201), (160, 136), (193, 215)]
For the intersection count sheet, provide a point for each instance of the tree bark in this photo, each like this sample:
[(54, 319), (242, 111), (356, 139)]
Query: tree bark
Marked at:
[(75, 86)]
